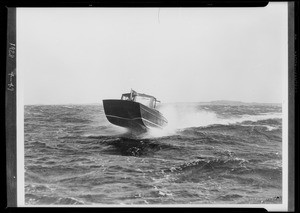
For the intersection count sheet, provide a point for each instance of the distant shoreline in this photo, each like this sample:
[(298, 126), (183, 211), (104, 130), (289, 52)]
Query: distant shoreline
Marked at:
[(218, 102)]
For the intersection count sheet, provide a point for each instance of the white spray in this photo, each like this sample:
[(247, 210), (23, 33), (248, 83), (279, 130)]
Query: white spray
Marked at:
[(189, 116)]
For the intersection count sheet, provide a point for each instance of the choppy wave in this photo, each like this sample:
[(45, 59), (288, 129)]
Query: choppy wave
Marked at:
[(207, 154)]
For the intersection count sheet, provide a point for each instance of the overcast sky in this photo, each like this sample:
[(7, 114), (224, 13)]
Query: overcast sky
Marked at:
[(84, 55)]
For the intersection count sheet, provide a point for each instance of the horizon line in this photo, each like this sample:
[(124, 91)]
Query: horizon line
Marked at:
[(171, 102)]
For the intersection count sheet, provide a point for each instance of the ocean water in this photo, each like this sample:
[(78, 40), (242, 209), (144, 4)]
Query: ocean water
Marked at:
[(208, 154)]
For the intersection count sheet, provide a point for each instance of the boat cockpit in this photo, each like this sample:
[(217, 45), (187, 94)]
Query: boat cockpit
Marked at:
[(144, 99)]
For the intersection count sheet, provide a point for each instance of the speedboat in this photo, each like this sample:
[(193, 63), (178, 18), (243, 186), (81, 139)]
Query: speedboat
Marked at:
[(134, 111)]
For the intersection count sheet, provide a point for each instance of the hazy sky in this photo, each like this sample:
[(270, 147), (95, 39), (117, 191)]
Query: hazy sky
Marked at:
[(84, 55)]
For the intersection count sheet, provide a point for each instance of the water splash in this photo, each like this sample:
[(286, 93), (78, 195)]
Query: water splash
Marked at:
[(188, 116)]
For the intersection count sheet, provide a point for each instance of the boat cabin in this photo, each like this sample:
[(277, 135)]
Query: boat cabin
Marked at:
[(144, 99)]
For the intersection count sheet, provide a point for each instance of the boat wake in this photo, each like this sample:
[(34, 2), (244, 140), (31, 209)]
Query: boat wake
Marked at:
[(180, 119)]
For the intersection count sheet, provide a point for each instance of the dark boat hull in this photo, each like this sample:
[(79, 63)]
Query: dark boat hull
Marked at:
[(133, 115)]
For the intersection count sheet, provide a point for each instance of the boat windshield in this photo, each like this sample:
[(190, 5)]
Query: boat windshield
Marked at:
[(127, 97), (145, 100)]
